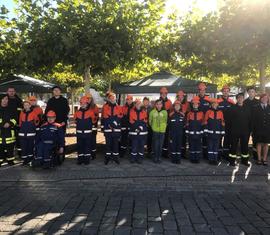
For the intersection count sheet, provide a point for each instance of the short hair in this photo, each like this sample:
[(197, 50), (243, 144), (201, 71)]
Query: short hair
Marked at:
[(56, 86), (146, 98), (240, 94), (11, 87), (2, 96), (158, 100), (251, 88)]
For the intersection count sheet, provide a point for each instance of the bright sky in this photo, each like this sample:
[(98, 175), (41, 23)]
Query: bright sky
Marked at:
[(182, 6)]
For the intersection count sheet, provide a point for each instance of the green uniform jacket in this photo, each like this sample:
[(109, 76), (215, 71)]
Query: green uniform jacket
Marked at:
[(158, 120)]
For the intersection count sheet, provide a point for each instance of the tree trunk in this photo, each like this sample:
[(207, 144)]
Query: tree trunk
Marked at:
[(262, 74), (72, 100), (87, 80)]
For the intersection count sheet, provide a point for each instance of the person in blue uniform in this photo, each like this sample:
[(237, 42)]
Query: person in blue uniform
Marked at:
[(176, 123), (111, 125), (50, 139), (224, 104), (138, 132), (214, 130), (85, 119), (28, 123), (194, 130), (204, 107)]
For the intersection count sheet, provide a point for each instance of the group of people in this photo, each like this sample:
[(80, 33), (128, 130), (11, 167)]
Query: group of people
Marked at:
[(37, 136), (211, 128)]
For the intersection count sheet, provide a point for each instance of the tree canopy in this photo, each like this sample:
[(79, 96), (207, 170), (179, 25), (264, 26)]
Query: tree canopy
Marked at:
[(73, 41)]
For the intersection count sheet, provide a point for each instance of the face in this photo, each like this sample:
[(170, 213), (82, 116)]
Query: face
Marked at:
[(240, 99), (177, 107), (138, 105), (83, 105), (129, 101), (201, 92), (56, 92), (146, 103), (159, 105), (163, 95), (112, 98), (226, 92), (195, 105), (251, 93), (214, 105), (26, 106), (51, 119), (11, 92), (264, 99), (4, 102), (33, 102)]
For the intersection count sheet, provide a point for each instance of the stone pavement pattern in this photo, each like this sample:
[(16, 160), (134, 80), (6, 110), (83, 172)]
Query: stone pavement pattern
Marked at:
[(135, 199)]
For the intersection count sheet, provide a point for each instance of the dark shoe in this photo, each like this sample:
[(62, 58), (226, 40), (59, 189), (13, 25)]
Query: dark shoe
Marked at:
[(245, 162), (232, 163), (79, 163), (132, 161), (158, 161), (117, 161), (178, 161), (265, 163), (139, 161), (259, 162), (215, 163), (106, 160), (87, 162), (11, 163)]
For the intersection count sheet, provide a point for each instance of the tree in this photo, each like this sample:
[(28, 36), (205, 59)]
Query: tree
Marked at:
[(93, 37), (234, 41)]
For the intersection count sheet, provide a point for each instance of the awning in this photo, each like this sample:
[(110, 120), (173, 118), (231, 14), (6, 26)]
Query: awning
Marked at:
[(154, 82), (25, 84)]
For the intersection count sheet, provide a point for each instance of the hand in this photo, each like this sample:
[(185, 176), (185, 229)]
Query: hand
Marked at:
[(7, 125), (63, 123), (61, 150)]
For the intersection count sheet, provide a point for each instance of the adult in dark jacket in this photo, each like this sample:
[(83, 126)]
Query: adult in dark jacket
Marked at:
[(7, 132), (252, 102), (239, 123), (14, 102), (261, 128), (59, 105)]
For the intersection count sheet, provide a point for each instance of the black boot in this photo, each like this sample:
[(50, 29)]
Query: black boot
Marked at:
[(106, 160), (231, 161), (116, 160), (245, 162)]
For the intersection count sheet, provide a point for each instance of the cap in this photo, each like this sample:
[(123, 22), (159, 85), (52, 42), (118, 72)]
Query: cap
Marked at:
[(201, 86), (163, 90), (195, 100), (51, 114), (129, 97)]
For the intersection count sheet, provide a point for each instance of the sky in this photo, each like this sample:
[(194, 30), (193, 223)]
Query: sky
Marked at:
[(182, 6)]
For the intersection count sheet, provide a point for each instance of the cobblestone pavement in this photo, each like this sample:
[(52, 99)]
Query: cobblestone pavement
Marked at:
[(135, 199)]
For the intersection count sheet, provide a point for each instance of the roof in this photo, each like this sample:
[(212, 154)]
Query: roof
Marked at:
[(154, 82), (25, 84)]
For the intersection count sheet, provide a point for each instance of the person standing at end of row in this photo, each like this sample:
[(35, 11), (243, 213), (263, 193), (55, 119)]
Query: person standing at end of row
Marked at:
[(147, 107), (7, 131), (261, 128)]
